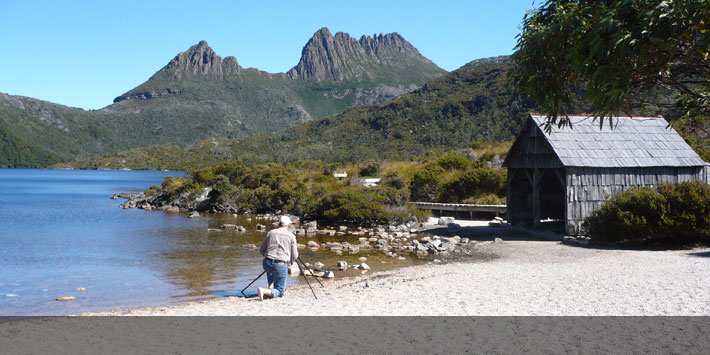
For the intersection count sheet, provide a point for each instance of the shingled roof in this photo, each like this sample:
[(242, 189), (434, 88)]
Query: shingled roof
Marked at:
[(631, 142)]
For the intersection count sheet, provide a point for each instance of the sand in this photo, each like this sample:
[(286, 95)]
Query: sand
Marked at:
[(525, 277)]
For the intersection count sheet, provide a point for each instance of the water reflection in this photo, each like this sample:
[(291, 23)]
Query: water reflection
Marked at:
[(203, 262)]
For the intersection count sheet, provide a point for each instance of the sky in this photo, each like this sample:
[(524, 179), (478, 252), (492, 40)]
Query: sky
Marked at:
[(85, 53)]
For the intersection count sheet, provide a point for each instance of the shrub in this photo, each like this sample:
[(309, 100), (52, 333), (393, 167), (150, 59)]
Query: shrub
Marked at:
[(490, 199), (153, 190), (671, 213), (474, 183), (370, 169), (204, 176), (351, 205), (421, 215), (393, 180), (221, 187), (172, 185), (453, 160), (425, 185), (688, 216), (630, 215), (234, 171)]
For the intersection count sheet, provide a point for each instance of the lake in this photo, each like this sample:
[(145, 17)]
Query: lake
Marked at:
[(60, 232)]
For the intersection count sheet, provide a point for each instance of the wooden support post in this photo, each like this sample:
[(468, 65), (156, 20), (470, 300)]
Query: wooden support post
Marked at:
[(560, 175), (537, 178), (510, 216)]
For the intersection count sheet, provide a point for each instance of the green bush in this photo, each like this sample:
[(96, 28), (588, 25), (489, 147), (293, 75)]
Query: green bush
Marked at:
[(173, 185), (425, 185), (474, 183), (688, 216), (370, 169), (453, 160), (153, 190), (351, 205), (421, 215), (220, 187), (395, 181), (671, 213), (204, 177), (490, 199)]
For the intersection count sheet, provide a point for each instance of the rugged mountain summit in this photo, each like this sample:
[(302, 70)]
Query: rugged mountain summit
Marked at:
[(341, 57), (201, 59)]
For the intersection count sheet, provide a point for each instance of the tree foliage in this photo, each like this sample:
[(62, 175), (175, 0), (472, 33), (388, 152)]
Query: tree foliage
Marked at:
[(617, 51)]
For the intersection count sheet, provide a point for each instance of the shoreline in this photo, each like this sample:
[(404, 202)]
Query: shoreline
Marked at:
[(523, 277)]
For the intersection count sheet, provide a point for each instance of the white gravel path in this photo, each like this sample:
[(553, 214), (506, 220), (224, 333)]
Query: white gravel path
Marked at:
[(527, 278)]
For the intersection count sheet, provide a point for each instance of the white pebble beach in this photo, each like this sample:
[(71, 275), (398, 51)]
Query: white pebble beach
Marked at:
[(524, 278)]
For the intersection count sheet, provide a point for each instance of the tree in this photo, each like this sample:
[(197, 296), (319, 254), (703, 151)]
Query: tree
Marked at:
[(617, 52)]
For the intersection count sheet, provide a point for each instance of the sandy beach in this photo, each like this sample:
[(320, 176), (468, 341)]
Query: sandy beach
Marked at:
[(522, 277)]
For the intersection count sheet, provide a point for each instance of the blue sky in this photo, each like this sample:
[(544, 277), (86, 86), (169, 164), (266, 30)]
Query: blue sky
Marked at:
[(85, 53)]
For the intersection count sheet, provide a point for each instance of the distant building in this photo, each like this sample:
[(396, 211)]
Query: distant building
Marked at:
[(344, 174), (370, 182), (569, 172)]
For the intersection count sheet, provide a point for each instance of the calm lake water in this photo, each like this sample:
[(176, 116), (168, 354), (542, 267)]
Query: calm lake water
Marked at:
[(59, 231)]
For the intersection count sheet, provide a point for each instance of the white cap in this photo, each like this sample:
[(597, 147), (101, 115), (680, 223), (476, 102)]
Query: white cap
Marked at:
[(284, 220)]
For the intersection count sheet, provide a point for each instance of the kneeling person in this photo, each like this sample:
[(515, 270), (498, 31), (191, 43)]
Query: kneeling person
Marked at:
[(279, 249)]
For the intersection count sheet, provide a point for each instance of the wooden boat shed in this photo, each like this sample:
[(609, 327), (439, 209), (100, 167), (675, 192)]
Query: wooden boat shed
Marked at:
[(567, 173)]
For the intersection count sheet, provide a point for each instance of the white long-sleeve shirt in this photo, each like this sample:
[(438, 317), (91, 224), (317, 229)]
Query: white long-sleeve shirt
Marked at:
[(279, 244)]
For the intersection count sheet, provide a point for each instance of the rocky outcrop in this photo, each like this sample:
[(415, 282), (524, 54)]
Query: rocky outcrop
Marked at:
[(297, 113), (200, 59), (145, 95), (341, 57)]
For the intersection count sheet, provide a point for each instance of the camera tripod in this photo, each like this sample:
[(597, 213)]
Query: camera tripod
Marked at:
[(299, 262)]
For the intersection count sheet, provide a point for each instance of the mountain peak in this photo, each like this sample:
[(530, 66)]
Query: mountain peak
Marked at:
[(323, 32), (200, 59), (338, 58)]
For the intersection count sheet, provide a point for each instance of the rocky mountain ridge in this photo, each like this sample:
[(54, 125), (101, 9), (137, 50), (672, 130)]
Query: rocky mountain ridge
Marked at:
[(199, 94), (341, 57)]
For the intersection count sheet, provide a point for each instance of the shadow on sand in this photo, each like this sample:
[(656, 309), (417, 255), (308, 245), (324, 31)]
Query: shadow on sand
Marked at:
[(487, 233), (553, 232), (702, 254)]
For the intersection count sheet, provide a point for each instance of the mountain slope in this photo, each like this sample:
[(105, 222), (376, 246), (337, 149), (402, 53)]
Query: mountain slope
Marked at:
[(199, 94), (212, 96), (63, 132), (472, 103)]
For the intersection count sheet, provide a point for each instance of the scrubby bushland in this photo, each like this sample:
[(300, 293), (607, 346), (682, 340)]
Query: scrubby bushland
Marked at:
[(476, 182), (671, 213), (309, 189), (454, 178)]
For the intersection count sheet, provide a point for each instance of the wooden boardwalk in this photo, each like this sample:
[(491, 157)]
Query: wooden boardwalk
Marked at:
[(460, 207)]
